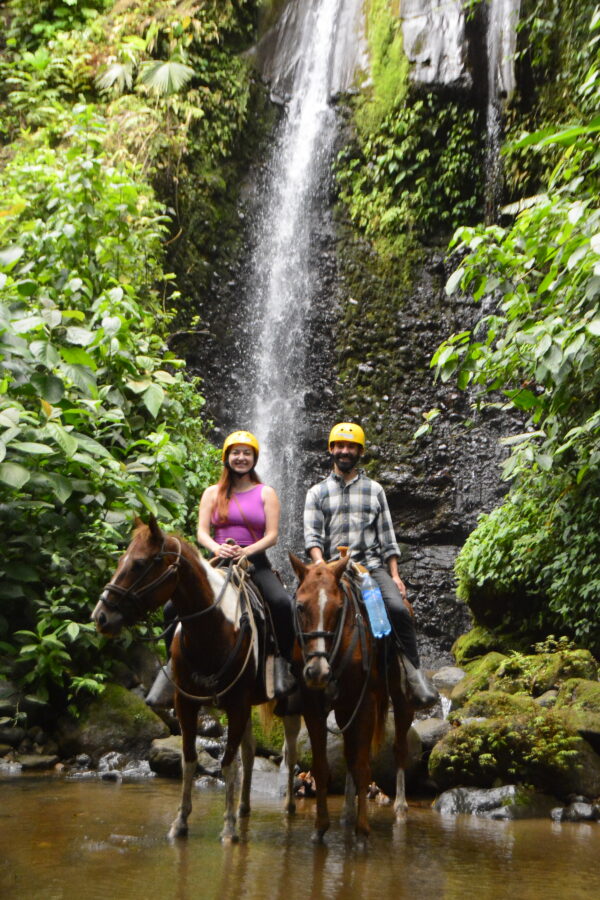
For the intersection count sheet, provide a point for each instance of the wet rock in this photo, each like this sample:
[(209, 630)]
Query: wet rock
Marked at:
[(431, 731), (5, 749), (547, 699), (477, 642), (577, 812), (506, 802), (32, 762), (478, 678), (116, 720), (383, 766), (448, 677), (209, 726), (12, 735), (164, 758)]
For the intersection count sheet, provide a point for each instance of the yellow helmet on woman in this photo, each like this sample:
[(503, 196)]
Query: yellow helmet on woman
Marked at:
[(240, 437), (347, 431)]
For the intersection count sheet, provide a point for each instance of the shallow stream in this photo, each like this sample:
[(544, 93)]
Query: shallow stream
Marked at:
[(88, 839)]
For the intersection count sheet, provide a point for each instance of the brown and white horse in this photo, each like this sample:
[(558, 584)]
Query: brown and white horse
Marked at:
[(215, 655), (344, 669)]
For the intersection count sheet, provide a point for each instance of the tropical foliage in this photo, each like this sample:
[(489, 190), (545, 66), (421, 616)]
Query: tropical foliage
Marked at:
[(536, 349), (98, 420)]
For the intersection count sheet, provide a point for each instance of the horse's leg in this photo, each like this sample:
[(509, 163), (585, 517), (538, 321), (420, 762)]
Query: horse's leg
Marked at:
[(187, 713), (315, 718), (357, 747), (348, 816), (248, 751), (291, 725), (237, 722), (403, 716)]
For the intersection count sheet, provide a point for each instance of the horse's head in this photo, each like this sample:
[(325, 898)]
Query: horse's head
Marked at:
[(143, 581), (319, 608)]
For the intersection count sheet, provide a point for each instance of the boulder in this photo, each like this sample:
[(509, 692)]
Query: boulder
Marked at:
[(478, 678), (115, 720), (540, 672), (507, 802), (446, 678), (539, 749), (36, 761), (477, 643), (491, 705), (431, 731), (164, 757), (383, 765)]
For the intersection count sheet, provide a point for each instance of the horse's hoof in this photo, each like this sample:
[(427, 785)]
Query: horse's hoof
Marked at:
[(178, 830), (362, 843), (230, 838), (318, 836), (401, 814)]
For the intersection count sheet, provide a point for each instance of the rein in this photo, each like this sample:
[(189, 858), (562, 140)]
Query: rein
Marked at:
[(359, 634), (134, 611)]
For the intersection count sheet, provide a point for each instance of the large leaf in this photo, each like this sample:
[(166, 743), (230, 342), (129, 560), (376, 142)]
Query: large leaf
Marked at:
[(10, 255), (65, 441), (32, 447), (49, 387), (14, 475), (153, 399), (78, 335), (166, 78)]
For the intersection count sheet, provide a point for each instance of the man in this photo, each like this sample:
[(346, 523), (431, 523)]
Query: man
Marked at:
[(349, 509)]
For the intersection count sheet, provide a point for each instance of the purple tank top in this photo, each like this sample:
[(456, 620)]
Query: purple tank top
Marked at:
[(236, 526)]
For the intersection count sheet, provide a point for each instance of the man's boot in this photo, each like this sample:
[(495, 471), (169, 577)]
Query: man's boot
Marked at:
[(420, 691), (283, 680), (162, 692)]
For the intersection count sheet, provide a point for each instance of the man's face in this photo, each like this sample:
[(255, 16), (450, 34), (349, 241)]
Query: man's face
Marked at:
[(345, 454)]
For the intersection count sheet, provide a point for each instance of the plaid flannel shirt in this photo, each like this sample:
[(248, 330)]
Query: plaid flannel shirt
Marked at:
[(355, 515)]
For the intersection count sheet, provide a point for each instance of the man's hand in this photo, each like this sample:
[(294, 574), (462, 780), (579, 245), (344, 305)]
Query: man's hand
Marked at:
[(402, 588)]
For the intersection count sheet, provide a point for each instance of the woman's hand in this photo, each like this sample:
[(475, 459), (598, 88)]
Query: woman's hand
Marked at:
[(230, 551)]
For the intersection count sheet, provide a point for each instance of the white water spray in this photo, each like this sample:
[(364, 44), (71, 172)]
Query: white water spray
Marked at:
[(282, 278), (503, 17)]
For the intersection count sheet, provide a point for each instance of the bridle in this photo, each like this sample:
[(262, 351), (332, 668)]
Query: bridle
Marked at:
[(131, 598), (335, 636)]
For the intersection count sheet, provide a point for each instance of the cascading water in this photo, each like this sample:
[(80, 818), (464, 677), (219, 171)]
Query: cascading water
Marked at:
[(282, 278), (503, 17)]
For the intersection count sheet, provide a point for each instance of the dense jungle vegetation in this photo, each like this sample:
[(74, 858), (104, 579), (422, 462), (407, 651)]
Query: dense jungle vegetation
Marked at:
[(108, 109), (103, 106)]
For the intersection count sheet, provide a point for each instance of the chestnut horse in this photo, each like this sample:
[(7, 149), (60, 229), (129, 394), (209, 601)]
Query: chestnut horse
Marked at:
[(345, 670), (216, 657)]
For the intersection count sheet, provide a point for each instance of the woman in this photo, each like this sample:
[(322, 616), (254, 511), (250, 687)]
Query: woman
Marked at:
[(243, 515)]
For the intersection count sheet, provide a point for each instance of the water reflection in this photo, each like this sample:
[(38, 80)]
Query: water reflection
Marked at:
[(61, 840)]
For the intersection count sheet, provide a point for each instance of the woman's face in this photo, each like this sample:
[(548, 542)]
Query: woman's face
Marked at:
[(241, 458)]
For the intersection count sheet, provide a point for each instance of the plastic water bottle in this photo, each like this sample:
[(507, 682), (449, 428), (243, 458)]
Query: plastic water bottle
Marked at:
[(378, 617)]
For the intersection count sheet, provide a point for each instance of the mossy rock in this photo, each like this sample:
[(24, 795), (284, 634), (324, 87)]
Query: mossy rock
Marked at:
[(268, 731), (115, 720), (492, 705), (537, 673), (478, 678), (538, 749), (580, 694), (477, 643)]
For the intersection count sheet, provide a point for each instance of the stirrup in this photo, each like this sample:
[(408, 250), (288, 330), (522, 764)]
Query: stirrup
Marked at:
[(420, 692)]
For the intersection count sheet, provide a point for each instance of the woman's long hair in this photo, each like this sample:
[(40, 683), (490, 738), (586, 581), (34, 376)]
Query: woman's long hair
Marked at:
[(225, 487)]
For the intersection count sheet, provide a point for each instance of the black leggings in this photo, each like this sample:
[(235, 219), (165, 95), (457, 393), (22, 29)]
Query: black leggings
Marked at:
[(274, 593)]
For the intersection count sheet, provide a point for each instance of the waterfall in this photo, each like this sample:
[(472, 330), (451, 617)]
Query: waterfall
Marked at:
[(282, 273), (503, 17)]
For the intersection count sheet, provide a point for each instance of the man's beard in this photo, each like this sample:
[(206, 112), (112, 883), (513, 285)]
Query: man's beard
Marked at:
[(347, 463)]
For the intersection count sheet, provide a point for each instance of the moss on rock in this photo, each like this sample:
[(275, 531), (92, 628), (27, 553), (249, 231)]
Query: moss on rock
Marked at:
[(580, 694), (539, 749), (536, 673), (478, 678), (476, 643), (492, 705)]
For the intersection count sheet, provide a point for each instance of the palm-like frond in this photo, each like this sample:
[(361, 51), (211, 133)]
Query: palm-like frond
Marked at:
[(166, 78), (117, 74)]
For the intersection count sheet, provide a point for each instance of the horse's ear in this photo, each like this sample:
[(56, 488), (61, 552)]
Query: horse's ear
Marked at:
[(299, 567), (137, 522), (154, 528), (339, 566)]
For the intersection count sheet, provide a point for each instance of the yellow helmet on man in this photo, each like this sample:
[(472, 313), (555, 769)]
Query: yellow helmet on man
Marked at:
[(240, 437), (347, 431)]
